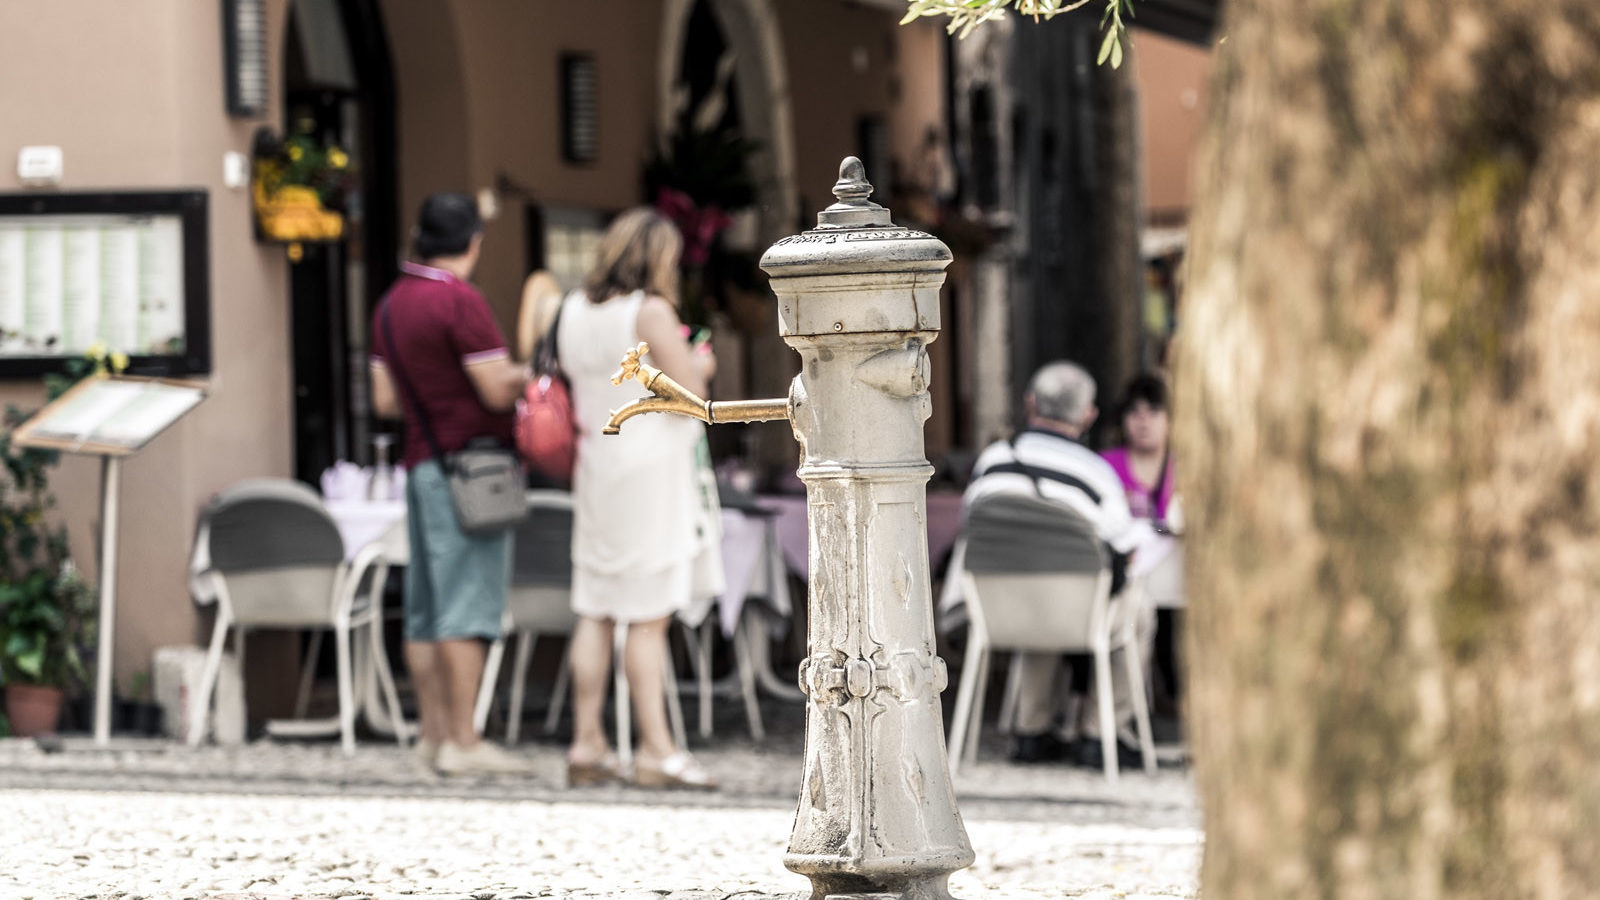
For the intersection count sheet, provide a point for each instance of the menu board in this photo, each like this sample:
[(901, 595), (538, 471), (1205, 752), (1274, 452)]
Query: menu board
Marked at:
[(109, 415), (68, 283), (120, 272)]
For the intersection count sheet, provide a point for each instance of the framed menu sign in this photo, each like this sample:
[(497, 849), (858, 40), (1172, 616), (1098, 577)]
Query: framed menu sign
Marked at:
[(127, 272)]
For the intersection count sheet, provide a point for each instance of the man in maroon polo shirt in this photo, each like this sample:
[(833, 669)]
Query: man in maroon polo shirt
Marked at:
[(440, 362)]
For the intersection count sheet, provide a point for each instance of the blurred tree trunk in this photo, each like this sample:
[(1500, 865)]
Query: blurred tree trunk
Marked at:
[(1389, 425)]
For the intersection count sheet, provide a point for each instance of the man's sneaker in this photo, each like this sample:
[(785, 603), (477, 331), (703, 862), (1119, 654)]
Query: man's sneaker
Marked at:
[(482, 758), (1036, 748)]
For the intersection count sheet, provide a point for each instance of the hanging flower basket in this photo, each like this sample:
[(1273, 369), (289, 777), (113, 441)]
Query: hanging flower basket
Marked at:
[(295, 214), (298, 188)]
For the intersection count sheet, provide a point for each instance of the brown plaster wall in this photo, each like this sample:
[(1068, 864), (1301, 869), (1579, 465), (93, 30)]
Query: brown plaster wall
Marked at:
[(477, 82), (1172, 78), (477, 86), (918, 104), (136, 102), (431, 105), (824, 41), (919, 86)]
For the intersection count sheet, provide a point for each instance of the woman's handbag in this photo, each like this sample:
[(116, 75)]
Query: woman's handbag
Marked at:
[(485, 480), (546, 430)]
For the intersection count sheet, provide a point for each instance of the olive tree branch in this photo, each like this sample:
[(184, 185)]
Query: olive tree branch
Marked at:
[(965, 15)]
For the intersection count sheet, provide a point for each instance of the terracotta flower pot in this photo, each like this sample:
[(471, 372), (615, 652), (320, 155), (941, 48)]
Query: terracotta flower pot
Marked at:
[(33, 709)]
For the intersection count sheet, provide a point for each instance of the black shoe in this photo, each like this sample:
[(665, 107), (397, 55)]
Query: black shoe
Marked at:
[(1036, 748), (1088, 753)]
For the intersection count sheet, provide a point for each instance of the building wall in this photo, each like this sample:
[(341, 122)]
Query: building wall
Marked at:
[(1172, 78), (136, 102), (917, 104), (477, 82), (477, 86), (841, 63)]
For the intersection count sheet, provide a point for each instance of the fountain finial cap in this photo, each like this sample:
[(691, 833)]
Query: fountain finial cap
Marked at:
[(853, 209), (855, 235)]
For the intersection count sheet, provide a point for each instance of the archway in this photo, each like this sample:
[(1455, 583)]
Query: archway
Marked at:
[(764, 113), (760, 91)]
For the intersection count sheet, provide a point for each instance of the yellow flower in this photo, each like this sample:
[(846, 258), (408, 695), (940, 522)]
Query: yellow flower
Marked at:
[(97, 351), (119, 361), (295, 152), (338, 158)]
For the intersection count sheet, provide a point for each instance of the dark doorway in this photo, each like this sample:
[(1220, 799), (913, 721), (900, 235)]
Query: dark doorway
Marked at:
[(339, 86)]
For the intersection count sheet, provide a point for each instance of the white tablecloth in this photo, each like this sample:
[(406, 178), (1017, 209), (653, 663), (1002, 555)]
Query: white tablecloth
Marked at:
[(361, 522), (752, 564)]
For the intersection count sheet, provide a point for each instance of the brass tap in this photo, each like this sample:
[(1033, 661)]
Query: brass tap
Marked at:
[(672, 397)]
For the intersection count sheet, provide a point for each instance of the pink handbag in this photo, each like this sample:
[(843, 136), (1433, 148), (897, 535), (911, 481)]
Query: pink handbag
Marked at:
[(546, 428)]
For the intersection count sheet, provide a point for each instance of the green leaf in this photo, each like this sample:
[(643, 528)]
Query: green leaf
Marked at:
[(1116, 55), (18, 644), (31, 663), (1106, 48)]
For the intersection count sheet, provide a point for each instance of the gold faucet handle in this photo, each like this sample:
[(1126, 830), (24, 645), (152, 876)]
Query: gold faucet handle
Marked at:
[(631, 365), (668, 396)]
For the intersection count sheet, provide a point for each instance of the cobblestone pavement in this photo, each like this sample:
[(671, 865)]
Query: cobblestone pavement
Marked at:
[(274, 820)]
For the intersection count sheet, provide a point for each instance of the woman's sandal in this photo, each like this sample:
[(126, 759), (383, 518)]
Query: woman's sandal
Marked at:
[(605, 770), (680, 770)]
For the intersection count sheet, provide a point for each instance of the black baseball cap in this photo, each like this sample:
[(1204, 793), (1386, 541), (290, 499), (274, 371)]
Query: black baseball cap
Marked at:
[(445, 225)]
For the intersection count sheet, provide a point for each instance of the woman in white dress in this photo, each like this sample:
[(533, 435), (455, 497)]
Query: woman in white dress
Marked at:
[(635, 496)]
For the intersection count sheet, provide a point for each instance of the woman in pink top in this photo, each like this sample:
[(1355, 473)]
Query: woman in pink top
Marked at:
[(1145, 463)]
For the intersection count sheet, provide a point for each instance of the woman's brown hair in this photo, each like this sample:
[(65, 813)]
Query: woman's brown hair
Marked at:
[(639, 252)]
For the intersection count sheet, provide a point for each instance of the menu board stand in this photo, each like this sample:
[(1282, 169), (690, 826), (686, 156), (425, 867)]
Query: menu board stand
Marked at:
[(112, 418)]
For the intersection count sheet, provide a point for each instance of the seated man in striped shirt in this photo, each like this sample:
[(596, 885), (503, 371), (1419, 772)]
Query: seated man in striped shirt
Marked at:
[(1047, 459)]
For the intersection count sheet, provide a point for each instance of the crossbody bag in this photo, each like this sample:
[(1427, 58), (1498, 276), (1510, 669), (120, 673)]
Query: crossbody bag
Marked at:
[(486, 482)]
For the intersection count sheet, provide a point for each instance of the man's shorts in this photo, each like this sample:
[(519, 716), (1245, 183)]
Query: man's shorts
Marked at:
[(456, 583)]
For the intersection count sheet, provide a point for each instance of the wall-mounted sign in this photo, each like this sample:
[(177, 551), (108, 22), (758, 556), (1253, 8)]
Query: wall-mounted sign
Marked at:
[(126, 273), (580, 108), (244, 56)]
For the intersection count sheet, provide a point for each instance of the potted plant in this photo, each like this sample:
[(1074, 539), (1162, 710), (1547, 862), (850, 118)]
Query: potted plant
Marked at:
[(44, 620), (699, 177), (47, 610)]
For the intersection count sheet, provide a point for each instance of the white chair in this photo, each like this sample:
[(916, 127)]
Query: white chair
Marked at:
[(1035, 580), (540, 602), (276, 560)]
